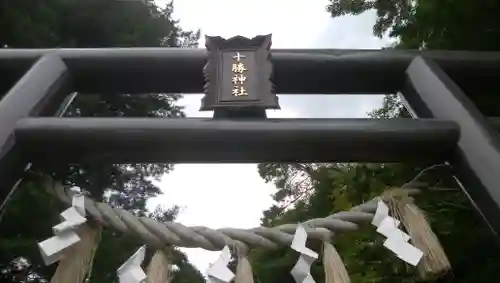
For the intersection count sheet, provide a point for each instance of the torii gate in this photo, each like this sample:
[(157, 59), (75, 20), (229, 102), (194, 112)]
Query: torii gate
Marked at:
[(446, 125)]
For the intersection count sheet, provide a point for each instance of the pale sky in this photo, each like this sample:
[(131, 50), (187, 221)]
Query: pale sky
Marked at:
[(234, 195)]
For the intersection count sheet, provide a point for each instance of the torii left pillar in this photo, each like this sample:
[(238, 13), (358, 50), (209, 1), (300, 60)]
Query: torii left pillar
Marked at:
[(38, 93)]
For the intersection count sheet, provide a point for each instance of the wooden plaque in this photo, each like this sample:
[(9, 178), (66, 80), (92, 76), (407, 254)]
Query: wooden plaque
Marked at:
[(238, 74)]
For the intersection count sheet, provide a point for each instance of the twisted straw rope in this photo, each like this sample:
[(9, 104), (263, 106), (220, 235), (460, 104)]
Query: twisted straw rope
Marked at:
[(158, 234)]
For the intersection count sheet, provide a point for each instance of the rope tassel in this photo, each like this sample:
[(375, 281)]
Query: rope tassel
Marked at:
[(243, 269), (159, 268), (77, 260), (434, 263), (335, 270)]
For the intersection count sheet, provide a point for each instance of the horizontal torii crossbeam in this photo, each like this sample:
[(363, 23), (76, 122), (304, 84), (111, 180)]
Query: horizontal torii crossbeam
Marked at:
[(123, 140), (296, 71)]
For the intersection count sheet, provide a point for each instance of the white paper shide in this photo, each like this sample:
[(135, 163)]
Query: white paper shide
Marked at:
[(53, 249), (301, 271), (397, 240), (218, 272), (131, 271)]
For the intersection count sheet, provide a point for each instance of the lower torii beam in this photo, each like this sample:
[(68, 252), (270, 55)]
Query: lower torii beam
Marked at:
[(123, 140)]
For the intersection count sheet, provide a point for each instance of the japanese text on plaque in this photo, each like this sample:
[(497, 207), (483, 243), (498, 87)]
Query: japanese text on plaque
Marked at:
[(239, 75)]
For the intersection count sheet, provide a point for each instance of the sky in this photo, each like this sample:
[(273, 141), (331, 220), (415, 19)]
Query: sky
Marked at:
[(234, 195)]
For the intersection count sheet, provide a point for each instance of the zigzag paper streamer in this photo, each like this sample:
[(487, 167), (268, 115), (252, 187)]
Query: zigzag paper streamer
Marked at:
[(403, 250), (389, 228), (301, 271), (72, 219), (78, 202), (381, 213), (131, 270), (52, 249), (218, 272), (397, 240)]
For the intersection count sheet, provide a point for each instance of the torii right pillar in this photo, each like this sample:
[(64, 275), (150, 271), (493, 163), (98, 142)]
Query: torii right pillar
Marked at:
[(432, 94)]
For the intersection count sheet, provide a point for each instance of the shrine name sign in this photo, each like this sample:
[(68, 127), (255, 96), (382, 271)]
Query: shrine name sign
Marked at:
[(238, 73)]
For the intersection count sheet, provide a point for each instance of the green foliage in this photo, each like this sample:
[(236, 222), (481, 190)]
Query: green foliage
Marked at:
[(186, 273), (389, 12), (92, 23), (338, 187), (103, 23), (31, 213), (293, 182), (23, 224), (448, 24), (451, 25), (427, 24)]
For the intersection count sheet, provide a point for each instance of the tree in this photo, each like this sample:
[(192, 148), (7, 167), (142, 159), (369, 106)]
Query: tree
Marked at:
[(456, 25), (106, 23), (389, 12), (76, 23), (27, 219), (338, 187), (450, 25), (186, 272), (89, 23)]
